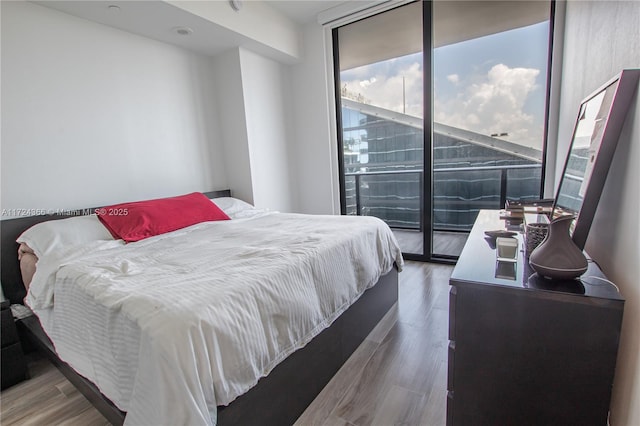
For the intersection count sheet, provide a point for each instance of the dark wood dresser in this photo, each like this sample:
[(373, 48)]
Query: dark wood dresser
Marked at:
[(14, 367), (524, 350)]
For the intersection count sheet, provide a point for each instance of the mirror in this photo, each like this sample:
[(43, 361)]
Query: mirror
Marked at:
[(595, 136)]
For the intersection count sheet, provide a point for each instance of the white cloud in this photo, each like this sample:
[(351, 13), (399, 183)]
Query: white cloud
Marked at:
[(366, 83), (493, 103), (454, 78), (385, 91)]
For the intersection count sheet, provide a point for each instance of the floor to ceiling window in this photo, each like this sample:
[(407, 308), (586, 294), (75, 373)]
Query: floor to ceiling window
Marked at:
[(490, 73), (381, 102), (426, 157)]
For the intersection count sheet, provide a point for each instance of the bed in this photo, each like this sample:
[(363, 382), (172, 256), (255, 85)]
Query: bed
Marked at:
[(281, 384)]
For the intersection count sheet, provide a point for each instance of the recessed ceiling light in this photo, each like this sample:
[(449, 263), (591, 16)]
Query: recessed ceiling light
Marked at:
[(183, 31), (113, 8)]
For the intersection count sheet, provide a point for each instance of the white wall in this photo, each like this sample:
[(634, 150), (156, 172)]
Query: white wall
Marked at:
[(255, 116), (267, 114), (602, 38), (314, 148), (229, 84), (93, 115)]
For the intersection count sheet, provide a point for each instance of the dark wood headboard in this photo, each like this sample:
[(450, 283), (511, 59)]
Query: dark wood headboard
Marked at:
[(11, 229)]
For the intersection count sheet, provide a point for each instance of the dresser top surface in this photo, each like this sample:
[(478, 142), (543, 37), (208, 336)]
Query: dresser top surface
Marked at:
[(478, 265)]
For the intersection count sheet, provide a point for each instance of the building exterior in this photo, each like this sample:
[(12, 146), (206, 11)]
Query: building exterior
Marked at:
[(383, 164)]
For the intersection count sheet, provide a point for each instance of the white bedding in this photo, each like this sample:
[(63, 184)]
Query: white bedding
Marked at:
[(174, 325)]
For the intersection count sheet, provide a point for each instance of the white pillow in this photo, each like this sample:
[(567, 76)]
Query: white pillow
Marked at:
[(233, 207), (47, 237)]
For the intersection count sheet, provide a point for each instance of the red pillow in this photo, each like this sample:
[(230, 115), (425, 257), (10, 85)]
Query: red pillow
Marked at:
[(143, 219)]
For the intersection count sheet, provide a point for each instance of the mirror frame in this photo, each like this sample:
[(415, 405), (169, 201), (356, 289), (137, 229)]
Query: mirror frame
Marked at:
[(627, 82)]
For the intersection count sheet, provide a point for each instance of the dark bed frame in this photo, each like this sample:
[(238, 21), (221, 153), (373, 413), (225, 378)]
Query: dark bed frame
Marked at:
[(278, 399)]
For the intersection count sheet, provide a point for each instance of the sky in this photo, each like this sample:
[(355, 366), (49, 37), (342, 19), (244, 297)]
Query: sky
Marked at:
[(492, 84)]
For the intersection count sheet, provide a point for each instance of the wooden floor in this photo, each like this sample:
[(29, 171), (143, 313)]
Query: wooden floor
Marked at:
[(397, 376), (47, 398)]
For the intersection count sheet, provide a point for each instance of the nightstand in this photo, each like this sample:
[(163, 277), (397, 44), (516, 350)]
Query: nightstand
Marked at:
[(14, 366)]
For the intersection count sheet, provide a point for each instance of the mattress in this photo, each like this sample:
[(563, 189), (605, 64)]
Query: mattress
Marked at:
[(170, 327)]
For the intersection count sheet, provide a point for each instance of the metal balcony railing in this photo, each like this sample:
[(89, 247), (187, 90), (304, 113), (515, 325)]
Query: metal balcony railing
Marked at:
[(458, 193)]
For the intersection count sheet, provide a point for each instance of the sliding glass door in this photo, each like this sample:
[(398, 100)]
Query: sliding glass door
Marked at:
[(490, 63), (380, 90), (441, 112)]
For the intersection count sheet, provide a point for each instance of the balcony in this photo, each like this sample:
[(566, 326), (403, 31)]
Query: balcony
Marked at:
[(459, 193)]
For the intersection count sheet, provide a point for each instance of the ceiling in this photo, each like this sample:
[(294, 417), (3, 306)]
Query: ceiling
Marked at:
[(381, 37), (134, 16), (303, 11), (159, 20)]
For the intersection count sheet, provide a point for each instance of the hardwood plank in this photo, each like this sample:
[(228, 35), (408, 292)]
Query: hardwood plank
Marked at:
[(399, 407), (89, 416), (59, 410), (46, 398), (40, 390), (435, 407), (321, 408), (337, 421), (67, 389), (406, 358), (362, 397), (413, 352), (425, 289)]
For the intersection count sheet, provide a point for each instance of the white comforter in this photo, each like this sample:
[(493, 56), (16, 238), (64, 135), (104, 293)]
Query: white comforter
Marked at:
[(173, 326)]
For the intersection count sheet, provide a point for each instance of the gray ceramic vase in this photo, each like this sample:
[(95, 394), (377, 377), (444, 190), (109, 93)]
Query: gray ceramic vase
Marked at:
[(557, 257)]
